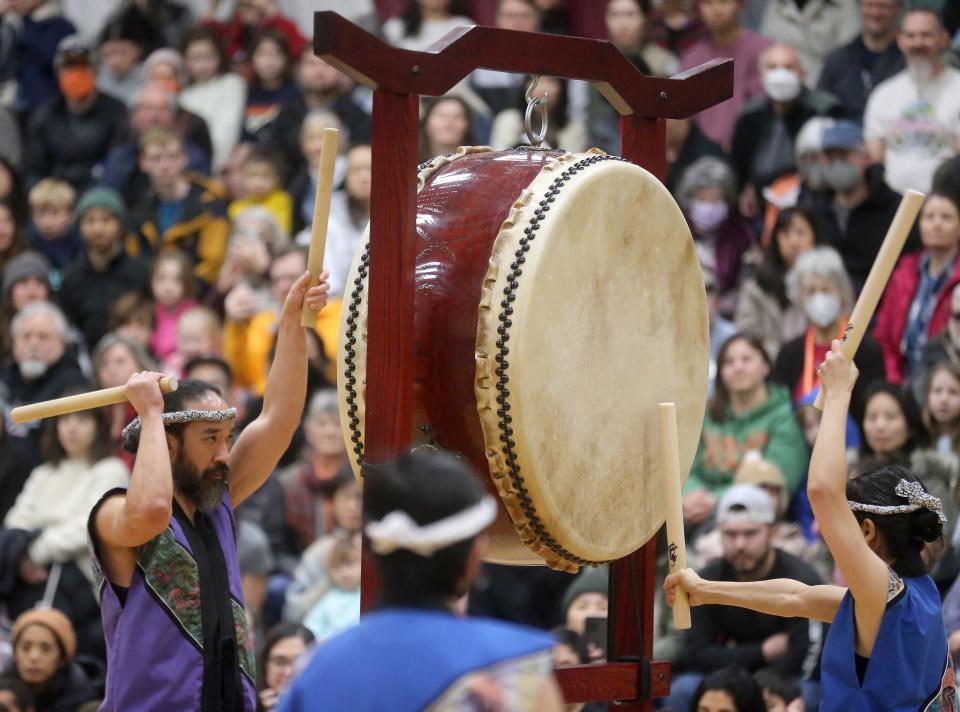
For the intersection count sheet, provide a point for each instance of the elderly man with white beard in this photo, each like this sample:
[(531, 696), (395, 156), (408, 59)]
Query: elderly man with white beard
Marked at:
[(912, 120), (44, 367)]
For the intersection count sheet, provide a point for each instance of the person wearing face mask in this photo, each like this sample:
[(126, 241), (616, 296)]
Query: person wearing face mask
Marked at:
[(69, 136), (820, 286), (912, 120), (856, 205), (706, 196), (763, 138)]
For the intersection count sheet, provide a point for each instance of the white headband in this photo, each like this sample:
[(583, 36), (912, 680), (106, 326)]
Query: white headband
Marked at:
[(914, 493), (397, 530), (132, 431)]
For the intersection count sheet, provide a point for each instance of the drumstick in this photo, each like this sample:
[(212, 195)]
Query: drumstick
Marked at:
[(876, 282), (321, 214), (81, 401), (676, 546)]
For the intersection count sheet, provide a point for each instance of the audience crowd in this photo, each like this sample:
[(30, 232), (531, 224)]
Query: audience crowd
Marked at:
[(157, 183)]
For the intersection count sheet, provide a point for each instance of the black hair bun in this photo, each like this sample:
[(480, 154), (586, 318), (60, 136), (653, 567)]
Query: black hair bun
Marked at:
[(925, 527)]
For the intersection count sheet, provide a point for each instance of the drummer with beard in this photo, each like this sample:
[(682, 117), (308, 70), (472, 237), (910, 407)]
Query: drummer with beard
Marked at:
[(425, 517), (164, 549)]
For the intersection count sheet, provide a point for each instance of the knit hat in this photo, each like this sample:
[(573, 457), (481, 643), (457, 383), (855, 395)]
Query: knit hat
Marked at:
[(165, 55), (102, 197), (589, 580), (24, 266), (52, 619)]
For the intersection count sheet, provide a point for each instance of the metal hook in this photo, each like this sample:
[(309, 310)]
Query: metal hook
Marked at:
[(539, 103)]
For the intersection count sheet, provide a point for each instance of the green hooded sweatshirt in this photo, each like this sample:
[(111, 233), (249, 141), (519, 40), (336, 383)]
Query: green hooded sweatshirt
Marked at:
[(772, 429)]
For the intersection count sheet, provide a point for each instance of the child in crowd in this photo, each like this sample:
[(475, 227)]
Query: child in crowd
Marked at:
[(133, 316), (173, 288), (53, 231), (303, 186), (271, 83), (780, 694), (199, 333), (262, 181), (938, 463), (338, 608)]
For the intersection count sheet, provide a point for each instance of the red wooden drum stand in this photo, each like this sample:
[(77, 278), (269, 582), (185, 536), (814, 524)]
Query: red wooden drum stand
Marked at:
[(399, 78)]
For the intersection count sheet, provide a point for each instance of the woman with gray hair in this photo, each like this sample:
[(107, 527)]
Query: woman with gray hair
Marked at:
[(707, 195), (818, 284)]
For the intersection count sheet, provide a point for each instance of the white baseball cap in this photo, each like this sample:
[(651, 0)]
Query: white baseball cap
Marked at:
[(746, 503)]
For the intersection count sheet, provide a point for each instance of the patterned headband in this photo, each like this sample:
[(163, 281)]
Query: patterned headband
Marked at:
[(914, 493), (132, 431)]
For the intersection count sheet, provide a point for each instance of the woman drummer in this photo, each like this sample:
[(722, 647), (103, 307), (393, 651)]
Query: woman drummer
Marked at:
[(887, 647)]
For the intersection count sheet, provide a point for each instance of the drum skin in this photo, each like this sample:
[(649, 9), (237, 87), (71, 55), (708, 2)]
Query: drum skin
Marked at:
[(569, 448)]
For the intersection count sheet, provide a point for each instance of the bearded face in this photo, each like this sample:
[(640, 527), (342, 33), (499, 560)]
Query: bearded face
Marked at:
[(204, 489)]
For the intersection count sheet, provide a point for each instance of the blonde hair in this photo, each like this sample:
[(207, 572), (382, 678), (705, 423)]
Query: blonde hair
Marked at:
[(159, 136), (52, 193), (203, 317)]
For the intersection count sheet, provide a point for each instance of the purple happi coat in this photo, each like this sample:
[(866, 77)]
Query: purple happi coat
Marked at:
[(155, 636)]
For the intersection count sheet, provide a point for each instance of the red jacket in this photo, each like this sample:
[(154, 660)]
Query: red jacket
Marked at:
[(895, 308)]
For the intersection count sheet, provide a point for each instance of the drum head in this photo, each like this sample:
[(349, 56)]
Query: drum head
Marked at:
[(593, 313)]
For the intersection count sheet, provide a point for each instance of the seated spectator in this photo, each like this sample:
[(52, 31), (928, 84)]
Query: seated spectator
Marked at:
[(763, 307), (763, 137), (586, 597), (53, 507), (262, 180), (349, 216), (26, 279), (815, 28), (722, 636), (780, 694), (310, 483), (115, 359), (271, 84), (338, 608), (174, 288), (53, 232), (685, 144), (324, 89), (911, 149), (729, 690), (32, 31), (302, 187), (249, 18), (916, 301), (214, 370), (425, 22), (746, 413), (563, 131), (248, 331), (122, 46), (851, 72), (627, 28), (727, 37), (154, 106), (819, 285), (941, 416), (860, 206), (945, 347), (182, 210), (254, 234), (69, 135), (199, 333), (12, 240), (707, 195), (675, 25), (892, 427), (163, 22), (11, 187), (284, 646), (211, 92), (311, 577), (133, 317), (103, 272), (44, 646), (43, 368)]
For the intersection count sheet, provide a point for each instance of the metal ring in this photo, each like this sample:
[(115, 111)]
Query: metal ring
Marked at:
[(535, 139)]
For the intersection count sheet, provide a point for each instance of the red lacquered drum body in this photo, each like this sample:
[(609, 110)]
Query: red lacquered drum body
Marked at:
[(533, 273)]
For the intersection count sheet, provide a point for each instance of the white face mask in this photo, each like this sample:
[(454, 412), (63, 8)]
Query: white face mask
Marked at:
[(781, 84), (822, 309)]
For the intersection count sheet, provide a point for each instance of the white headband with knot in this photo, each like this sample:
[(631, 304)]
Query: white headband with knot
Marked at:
[(914, 493), (398, 530), (132, 430)]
